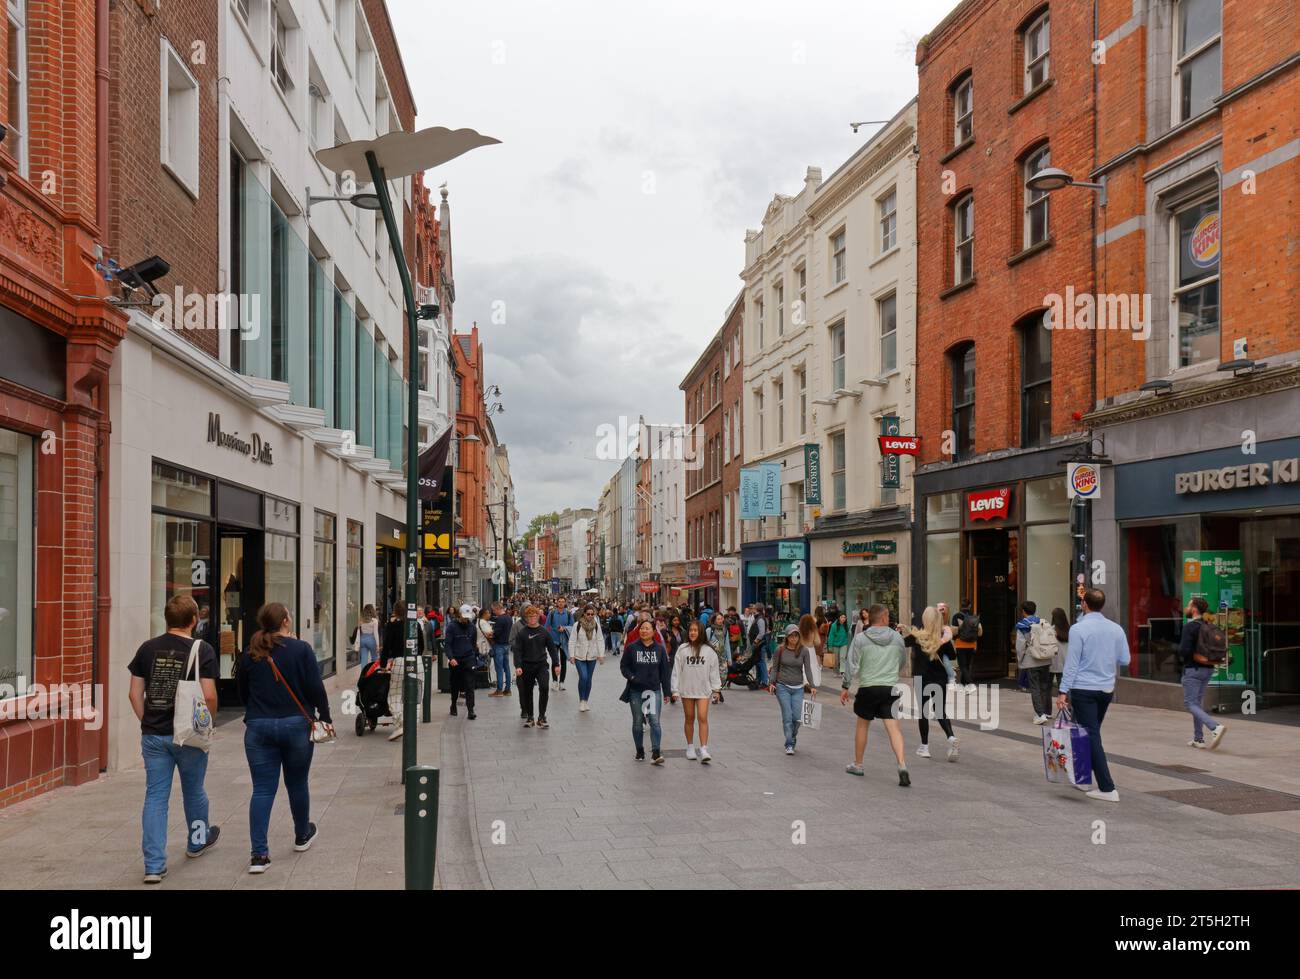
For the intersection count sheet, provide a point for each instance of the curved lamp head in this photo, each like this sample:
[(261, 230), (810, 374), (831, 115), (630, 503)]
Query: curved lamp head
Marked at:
[(366, 202), (1048, 179), (400, 153)]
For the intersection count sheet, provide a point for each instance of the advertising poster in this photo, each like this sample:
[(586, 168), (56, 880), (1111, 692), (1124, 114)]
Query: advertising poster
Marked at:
[(1217, 577)]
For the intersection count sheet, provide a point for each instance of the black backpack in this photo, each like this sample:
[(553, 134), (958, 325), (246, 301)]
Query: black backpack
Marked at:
[(1211, 644), (969, 630)]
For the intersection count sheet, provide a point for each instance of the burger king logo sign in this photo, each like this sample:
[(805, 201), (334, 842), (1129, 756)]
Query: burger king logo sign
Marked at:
[(1083, 479), (1203, 246)]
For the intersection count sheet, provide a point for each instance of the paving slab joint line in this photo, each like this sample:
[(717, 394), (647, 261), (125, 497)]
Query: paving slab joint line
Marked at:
[(484, 878)]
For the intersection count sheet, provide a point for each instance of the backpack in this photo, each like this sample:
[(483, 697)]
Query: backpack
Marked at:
[(753, 630), (969, 630), (1211, 645), (1041, 642)]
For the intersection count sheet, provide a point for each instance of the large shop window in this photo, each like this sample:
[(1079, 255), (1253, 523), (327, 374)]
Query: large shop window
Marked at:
[(1196, 290), (943, 569), (852, 589), (281, 555), (356, 534), (181, 547), (323, 593), (17, 561)]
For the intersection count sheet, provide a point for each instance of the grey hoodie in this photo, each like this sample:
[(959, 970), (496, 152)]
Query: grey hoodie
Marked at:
[(875, 658)]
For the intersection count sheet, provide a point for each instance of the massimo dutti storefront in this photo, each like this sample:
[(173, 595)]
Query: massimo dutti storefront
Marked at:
[(221, 490), (1204, 500)]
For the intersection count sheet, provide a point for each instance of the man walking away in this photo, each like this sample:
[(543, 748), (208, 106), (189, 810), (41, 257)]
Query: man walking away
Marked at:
[(461, 642), (533, 648), (159, 665), (873, 687), (502, 627), (969, 629), (1098, 647), (559, 621), (758, 640), (1035, 647), (1204, 648)]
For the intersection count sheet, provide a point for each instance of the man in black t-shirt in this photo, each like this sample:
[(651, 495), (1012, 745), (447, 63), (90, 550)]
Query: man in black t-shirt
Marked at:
[(159, 665)]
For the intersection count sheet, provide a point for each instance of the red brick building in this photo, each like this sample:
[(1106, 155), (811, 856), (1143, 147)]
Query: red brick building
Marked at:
[(703, 388), (1006, 88), (471, 464), (57, 345), (727, 564)]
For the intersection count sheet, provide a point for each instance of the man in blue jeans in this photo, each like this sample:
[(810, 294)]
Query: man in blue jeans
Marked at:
[(1196, 676), (502, 625), (1098, 647), (559, 621), (158, 666)]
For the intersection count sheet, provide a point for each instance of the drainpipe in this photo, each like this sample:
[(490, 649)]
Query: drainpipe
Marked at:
[(101, 116)]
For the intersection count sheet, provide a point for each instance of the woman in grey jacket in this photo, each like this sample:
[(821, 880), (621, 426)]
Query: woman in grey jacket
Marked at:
[(792, 674)]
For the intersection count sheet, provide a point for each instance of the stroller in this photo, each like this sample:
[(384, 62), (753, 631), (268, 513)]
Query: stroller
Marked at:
[(741, 671), (372, 697)]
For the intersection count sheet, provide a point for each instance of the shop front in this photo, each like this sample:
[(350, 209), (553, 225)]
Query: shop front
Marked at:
[(997, 543), (234, 502), (729, 578), (862, 562), (1222, 524), (776, 575)]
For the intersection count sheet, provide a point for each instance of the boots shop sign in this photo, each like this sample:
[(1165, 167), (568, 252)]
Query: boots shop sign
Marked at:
[(989, 504), (253, 447)]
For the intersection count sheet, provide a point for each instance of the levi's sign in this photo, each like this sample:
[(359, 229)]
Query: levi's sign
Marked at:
[(903, 445), (989, 504)]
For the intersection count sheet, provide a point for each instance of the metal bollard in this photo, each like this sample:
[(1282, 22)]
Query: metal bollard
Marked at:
[(427, 713), (410, 694), (421, 826)]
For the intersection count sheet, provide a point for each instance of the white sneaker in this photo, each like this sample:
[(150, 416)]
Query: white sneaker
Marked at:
[(1217, 735), (396, 734), (923, 751), (789, 751), (1196, 744), (705, 757), (1042, 719), (952, 749), (690, 752), (583, 706), (1111, 796), (1085, 788)]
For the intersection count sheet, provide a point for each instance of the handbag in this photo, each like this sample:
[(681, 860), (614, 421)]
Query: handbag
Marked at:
[(1067, 752), (191, 720), (321, 732)]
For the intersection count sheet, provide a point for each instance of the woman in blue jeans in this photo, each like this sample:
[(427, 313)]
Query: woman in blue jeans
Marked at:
[(279, 683), (792, 674), (586, 650)]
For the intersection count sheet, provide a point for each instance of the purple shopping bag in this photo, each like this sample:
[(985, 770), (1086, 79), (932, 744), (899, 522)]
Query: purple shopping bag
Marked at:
[(1067, 752)]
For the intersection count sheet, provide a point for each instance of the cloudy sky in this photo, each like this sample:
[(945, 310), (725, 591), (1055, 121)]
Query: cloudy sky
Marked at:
[(599, 246)]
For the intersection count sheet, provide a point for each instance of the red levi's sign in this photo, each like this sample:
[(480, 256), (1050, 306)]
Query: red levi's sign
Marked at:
[(989, 504), (900, 445)]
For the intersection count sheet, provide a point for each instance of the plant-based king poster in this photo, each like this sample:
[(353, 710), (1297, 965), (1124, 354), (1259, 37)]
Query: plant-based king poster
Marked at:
[(1217, 577)]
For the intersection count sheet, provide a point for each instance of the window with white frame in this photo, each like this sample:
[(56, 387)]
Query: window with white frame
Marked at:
[(803, 400), (16, 69), (837, 356), (726, 435), (780, 308), (888, 221), (245, 10), (963, 239), (839, 256), (758, 324), (735, 430), (1037, 45), (280, 51), (1195, 233), (887, 316), (778, 389), (839, 485), (726, 362), (1036, 201), (179, 118), (801, 308), (963, 111), (758, 420), (1198, 56)]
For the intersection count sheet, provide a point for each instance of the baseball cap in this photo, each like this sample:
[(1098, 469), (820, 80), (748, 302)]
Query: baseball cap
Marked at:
[(467, 612), (792, 630)]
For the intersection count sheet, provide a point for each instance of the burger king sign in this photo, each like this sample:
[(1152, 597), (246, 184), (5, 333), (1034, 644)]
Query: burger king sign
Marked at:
[(1083, 479)]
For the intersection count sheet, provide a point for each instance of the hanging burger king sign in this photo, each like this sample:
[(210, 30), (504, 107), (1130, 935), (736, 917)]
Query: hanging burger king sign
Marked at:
[(989, 504), (1203, 245), (1083, 479)]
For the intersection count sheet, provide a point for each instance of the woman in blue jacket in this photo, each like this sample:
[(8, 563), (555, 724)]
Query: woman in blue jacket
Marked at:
[(280, 685), (649, 681)]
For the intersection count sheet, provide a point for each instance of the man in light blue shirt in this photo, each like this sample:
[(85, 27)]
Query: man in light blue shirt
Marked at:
[(1098, 647)]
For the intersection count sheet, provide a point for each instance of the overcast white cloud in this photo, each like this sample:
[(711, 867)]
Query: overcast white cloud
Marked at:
[(638, 145)]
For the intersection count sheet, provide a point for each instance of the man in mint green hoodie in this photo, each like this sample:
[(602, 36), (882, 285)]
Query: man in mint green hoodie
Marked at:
[(878, 652)]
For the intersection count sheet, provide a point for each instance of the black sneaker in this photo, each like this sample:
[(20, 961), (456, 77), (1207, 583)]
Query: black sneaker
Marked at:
[(528, 722), (214, 833), (472, 715), (543, 722), (904, 779), (453, 710), (155, 878), (656, 758), (258, 863), (304, 842), (640, 754)]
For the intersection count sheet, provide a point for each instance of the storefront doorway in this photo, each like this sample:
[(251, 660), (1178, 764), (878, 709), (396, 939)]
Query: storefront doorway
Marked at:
[(239, 571), (991, 580)]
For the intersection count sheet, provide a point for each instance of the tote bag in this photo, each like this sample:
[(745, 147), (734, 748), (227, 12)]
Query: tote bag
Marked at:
[(1067, 752), (191, 719)]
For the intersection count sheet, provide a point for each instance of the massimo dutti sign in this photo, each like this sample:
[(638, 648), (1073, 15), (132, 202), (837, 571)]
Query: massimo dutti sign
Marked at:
[(254, 446)]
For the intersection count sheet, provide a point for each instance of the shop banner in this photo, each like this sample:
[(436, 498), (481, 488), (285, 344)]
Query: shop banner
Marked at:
[(812, 474), (649, 587), (433, 466), (789, 550), (1219, 578), (760, 491), (890, 464), (1083, 479), (436, 524)]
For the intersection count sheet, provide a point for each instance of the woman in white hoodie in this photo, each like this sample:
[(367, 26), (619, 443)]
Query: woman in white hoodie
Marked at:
[(698, 682), (586, 650)]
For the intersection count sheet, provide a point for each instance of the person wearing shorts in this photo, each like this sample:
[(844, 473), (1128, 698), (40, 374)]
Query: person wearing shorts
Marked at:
[(878, 655)]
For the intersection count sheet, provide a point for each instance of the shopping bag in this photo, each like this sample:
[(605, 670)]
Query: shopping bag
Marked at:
[(812, 714), (1067, 752), (191, 719)]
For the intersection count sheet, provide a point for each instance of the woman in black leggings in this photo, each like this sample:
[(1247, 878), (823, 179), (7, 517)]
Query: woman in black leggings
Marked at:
[(929, 645)]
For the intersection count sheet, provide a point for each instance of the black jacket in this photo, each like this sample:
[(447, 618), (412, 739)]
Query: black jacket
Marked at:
[(532, 646), (395, 639)]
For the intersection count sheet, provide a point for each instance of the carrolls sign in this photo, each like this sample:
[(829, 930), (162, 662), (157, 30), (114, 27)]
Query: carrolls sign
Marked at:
[(254, 447), (989, 504)]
